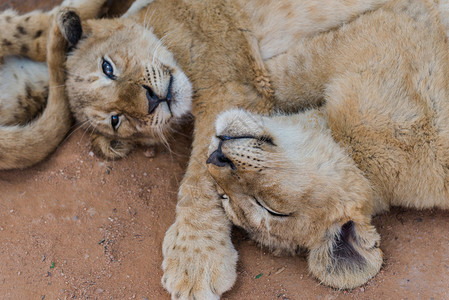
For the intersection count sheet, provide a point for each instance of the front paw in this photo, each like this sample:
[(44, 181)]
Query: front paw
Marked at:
[(109, 148), (198, 265)]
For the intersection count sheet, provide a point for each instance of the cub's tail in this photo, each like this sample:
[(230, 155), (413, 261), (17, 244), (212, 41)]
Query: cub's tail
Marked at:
[(24, 146)]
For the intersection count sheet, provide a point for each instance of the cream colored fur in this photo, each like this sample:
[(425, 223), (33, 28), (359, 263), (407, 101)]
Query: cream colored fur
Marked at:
[(312, 180), (26, 83), (222, 48), (143, 68)]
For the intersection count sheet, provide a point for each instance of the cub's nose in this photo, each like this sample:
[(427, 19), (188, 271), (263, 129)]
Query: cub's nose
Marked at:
[(153, 99), (218, 159)]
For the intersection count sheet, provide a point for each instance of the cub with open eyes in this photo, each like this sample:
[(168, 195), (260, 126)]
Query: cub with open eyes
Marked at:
[(127, 89)]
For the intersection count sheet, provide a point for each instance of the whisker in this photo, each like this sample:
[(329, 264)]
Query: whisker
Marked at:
[(146, 24), (160, 43), (70, 134), (90, 124), (93, 130), (180, 133)]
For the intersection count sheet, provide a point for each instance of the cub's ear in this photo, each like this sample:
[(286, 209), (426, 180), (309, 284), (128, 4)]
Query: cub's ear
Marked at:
[(70, 25), (347, 256)]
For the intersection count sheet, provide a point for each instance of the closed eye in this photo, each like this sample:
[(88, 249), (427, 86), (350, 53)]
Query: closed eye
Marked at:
[(267, 139), (264, 139), (269, 210)]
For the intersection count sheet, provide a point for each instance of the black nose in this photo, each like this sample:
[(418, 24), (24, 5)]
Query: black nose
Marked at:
[(153, 99), (219, 159)]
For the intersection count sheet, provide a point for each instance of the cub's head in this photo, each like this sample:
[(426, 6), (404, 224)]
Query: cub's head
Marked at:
[(122, 81), (285, 181)]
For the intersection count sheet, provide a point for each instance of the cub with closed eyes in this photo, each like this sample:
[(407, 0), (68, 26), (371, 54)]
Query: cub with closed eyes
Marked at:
[(311, 181)]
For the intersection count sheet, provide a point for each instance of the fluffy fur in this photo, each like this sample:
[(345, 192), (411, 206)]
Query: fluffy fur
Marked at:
[(221, 47), (146, 94), (314, 179), (138, 58), (26, 84)]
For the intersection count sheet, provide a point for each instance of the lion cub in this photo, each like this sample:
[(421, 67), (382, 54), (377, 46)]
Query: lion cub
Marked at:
[(314, 179)]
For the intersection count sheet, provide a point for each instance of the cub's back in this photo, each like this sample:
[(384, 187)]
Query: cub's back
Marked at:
[(387, 101), (278, 25)]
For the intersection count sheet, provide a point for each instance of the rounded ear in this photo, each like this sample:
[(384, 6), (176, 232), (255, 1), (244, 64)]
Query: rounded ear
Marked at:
[(347, 257), (70, 25)]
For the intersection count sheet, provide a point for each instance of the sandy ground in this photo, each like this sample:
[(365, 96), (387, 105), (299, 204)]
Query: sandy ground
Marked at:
[(76, 226)]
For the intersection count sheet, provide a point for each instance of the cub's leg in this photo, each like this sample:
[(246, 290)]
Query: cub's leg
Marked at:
[(24, 90), (26, 35), (23, 146), (24, 79), (199, 258), (299, 77)]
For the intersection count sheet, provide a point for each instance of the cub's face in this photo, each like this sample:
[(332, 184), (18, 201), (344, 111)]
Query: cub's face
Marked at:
[(285, 181), (123, 82), (265, 189)]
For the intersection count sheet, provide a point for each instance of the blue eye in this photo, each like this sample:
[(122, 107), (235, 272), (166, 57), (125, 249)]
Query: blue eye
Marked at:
[(108, 70), (115, 119)]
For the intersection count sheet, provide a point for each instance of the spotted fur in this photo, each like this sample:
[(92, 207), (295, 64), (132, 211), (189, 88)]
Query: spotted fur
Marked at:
[(28, 133)]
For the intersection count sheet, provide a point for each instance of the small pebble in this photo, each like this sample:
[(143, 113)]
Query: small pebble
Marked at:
[(150, 152)]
